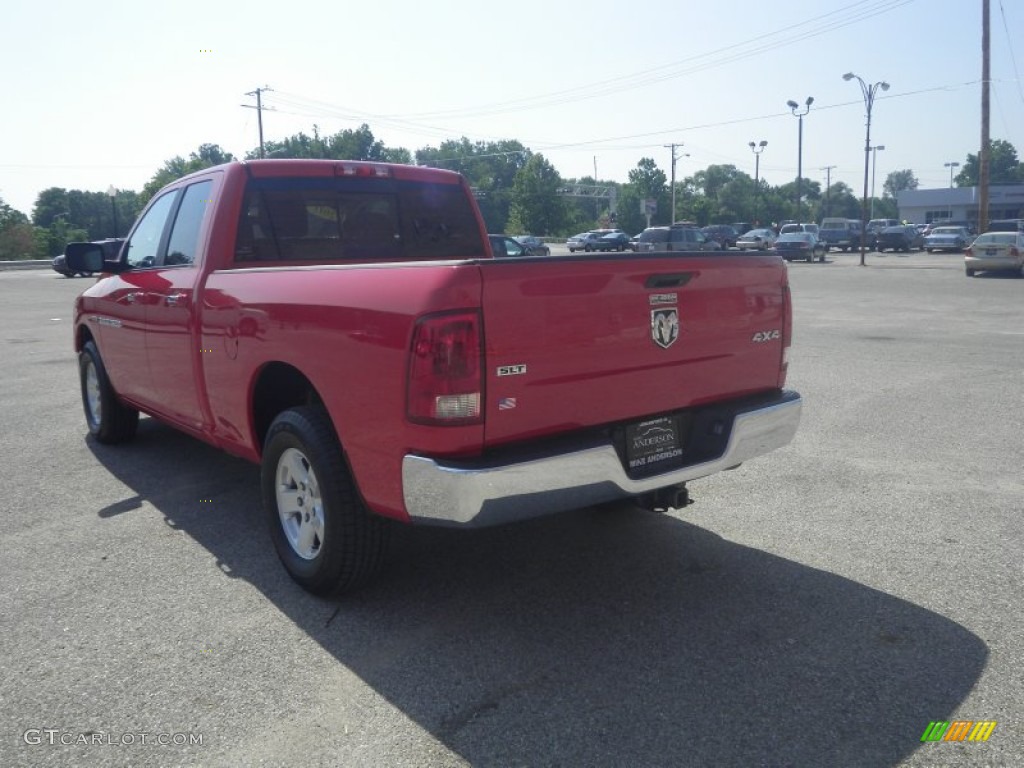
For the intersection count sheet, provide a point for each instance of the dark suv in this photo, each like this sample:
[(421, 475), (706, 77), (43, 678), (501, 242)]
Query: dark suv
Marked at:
[(903, 237), (724, 234), (675, 238)]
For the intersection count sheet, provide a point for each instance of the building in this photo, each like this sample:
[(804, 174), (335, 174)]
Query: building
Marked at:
[(924, 206)]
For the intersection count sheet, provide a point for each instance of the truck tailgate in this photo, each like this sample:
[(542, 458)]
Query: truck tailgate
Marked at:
[(580, 342)]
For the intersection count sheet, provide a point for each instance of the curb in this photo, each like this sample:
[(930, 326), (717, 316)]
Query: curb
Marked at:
[(26, 264)]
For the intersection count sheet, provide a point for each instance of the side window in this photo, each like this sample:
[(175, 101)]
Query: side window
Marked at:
[(142, 248), (184, 241)]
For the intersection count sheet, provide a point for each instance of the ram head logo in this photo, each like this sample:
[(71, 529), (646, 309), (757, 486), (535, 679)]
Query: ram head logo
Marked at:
[(665, 326)]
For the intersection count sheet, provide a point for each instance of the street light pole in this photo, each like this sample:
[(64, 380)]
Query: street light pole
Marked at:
[(951, 166), (874, 164), (868, 91), (112, 192), (793, 107), (757, 149)]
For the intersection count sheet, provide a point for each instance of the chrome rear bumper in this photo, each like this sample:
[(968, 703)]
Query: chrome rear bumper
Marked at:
[(481, 494)]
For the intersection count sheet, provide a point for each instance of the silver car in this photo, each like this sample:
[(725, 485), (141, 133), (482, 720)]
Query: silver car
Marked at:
[(756, 240), (947, 239), (584, 241), (995, 251)]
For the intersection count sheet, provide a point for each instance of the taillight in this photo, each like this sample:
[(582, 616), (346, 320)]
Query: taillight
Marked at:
[(445, 374), (1014, 252), (787, 333), (968, 251)]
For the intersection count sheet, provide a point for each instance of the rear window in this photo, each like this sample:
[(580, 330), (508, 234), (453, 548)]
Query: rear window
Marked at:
[(1000, 238), (329, 220), (654, 236)]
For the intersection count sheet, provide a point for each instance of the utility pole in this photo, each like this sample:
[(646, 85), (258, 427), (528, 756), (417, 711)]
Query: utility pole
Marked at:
[(828, 185), (259, 110), (983, 157), (672, 147)]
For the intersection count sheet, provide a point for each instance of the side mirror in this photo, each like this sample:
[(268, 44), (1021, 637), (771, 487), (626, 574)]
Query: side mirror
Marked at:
[(84, 257), (100, 256)]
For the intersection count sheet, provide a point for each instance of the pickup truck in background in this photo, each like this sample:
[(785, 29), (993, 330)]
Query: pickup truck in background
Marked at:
[(346, 326)]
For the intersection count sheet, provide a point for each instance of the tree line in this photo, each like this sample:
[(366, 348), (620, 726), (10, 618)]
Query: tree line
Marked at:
[(519, 191)]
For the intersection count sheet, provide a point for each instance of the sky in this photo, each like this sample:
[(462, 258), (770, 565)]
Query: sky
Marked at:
[(101, 94)]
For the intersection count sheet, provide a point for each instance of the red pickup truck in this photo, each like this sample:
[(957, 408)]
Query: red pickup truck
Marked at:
[(346, 325)]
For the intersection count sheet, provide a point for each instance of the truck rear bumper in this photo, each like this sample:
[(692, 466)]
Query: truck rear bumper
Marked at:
[(481, 494)]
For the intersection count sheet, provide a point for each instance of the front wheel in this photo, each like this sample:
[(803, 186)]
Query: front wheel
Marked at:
[(108, 419), (326, 538)]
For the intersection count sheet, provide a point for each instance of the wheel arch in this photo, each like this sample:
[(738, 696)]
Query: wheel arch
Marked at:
[(83, 335), (277, 387)]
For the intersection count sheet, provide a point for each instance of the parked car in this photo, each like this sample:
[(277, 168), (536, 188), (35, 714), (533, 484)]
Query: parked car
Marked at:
[(724, 234), (992, 251), (756, 240), (947, 239), (634, 242), (503, 245), (793, 226), (59, 266), (584, 241), (875, 227), (744, 226), (903, 237), (800, 245), (675, 238), (843, 234), (534, 245), (613, 241)]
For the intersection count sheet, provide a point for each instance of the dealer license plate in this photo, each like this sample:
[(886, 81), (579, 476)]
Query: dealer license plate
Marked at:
[(653, 444)]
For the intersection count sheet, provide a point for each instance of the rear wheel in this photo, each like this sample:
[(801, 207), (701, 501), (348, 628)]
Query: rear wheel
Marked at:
[(108, 419), (969, 272), (327, 539)]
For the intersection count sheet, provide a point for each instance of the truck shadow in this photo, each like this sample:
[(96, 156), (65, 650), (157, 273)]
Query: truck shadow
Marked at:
[(608, 636)]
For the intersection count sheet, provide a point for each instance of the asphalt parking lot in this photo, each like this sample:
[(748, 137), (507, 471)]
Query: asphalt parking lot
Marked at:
[(816, 607)]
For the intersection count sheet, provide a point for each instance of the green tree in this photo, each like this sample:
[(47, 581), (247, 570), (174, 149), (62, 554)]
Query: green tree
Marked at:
[(358, 144), (629, 216), (535, 205), (841, 203), (897, 182), (713, 179), (17, 235), (1004, 167), (651, 183), (490, 168), (206, 156)]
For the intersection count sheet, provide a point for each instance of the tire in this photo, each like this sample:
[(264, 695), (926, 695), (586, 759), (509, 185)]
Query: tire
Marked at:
[(587, 249), (326, 538), (810, 257), (69, 274), (930, 250), (969, 272), (109, 420)]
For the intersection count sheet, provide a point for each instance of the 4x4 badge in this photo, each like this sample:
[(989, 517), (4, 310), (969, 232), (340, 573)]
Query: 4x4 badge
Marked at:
[(665, 326)]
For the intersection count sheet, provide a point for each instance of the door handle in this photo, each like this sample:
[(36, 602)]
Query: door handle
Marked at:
[(174, 298)]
